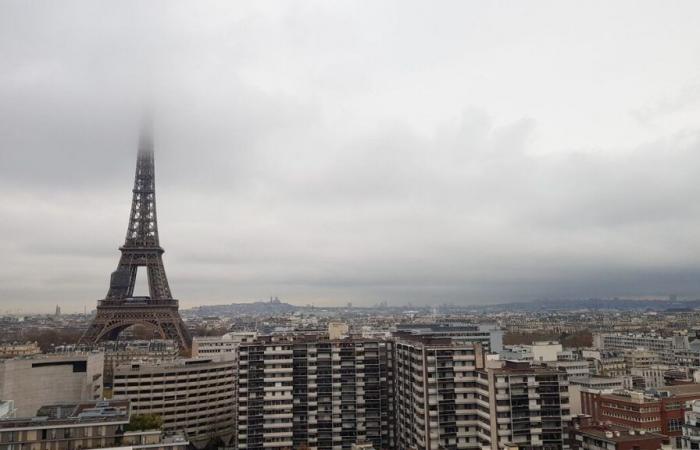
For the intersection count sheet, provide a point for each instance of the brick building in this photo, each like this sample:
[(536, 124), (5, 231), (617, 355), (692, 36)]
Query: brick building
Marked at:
[(660, 411), (600, 437)]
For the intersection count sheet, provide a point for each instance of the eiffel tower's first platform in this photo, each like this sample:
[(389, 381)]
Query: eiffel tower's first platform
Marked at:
[(121, 309)]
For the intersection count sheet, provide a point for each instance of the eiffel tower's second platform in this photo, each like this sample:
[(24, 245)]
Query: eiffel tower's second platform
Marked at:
[(141, 250)]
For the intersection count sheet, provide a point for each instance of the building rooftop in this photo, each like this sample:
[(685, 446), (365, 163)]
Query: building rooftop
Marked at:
[(82, 413), (616, 434), (169, 364)]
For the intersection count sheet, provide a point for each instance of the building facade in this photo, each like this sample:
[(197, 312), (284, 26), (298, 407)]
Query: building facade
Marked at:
[(441, 397), (489, 337), (89, 425), (12, 350), (600, 437), (663, 412), (314, 391), (220, 347), (194, 396), (33, 381), (529, 406)]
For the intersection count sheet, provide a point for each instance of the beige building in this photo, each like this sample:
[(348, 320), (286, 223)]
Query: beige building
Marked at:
[(88, 425), (220, 347), (196, 397), (337, 330), (124, 352), (33, 381), (19, 349)]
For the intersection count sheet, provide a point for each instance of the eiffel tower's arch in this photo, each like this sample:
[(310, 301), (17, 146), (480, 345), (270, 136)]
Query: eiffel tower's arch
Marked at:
[(120, 309)]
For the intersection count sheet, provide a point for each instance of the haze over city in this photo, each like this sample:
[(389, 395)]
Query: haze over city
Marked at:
[(333, 152)]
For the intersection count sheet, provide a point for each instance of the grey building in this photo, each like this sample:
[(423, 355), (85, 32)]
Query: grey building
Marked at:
[(490, 337), (310, 390), (529, 406), (441, 397)]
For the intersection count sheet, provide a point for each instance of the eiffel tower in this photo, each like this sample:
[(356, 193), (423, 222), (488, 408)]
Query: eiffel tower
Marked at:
[(121, 309)]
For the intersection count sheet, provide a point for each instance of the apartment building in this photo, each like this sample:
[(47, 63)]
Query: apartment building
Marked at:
[(660, 411), (690, 439), (590, 384), (529, 405), (32, 381), (663, 347), (88, 425), (441, 397), (194, 396), (310, 390), (605, 362), (574, 368), (220, 347), (124, 352), (490, 337), (642, 358), (653, 376)]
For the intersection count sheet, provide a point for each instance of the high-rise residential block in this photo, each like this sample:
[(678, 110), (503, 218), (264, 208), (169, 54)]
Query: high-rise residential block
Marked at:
[(529, 406), (313, 391), (441, 396)]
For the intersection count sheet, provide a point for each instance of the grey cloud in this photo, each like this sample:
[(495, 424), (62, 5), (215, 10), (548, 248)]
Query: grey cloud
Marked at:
[(325, 154)]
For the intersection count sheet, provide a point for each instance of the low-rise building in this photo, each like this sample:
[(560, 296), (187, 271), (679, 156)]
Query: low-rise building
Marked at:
[(89, 425), (662, 347), (605, 362), (12, 350), (601, 437), (33, 381), (660, 411)]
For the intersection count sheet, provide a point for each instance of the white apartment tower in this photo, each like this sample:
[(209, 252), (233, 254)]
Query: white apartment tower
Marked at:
[(313, 391)]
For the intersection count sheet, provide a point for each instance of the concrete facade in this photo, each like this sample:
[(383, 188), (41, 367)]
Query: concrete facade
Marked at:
[(310, 390), (196, 397), (34, 381), (441, 398)]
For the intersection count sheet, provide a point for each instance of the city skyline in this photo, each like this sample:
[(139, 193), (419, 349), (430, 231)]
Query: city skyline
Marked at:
[(354, 152)]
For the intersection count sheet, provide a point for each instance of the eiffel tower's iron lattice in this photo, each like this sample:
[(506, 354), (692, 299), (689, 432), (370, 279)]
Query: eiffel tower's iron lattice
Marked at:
[(120, 309)]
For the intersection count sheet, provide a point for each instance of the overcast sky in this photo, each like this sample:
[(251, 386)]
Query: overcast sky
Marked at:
[(326, 152)]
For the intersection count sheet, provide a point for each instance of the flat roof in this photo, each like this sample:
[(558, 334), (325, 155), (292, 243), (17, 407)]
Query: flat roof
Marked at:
[(624, 434)]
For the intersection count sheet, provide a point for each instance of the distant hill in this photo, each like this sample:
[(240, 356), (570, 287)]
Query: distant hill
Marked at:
[(271, 307)]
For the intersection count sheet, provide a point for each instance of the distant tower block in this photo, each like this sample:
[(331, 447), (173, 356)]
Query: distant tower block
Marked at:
[(121, 309)]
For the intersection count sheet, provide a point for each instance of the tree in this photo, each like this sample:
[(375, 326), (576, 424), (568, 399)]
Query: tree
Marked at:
[(143, 422)]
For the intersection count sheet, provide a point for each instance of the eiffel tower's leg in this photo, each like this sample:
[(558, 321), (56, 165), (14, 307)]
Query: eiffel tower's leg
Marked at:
[(141, 249)]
